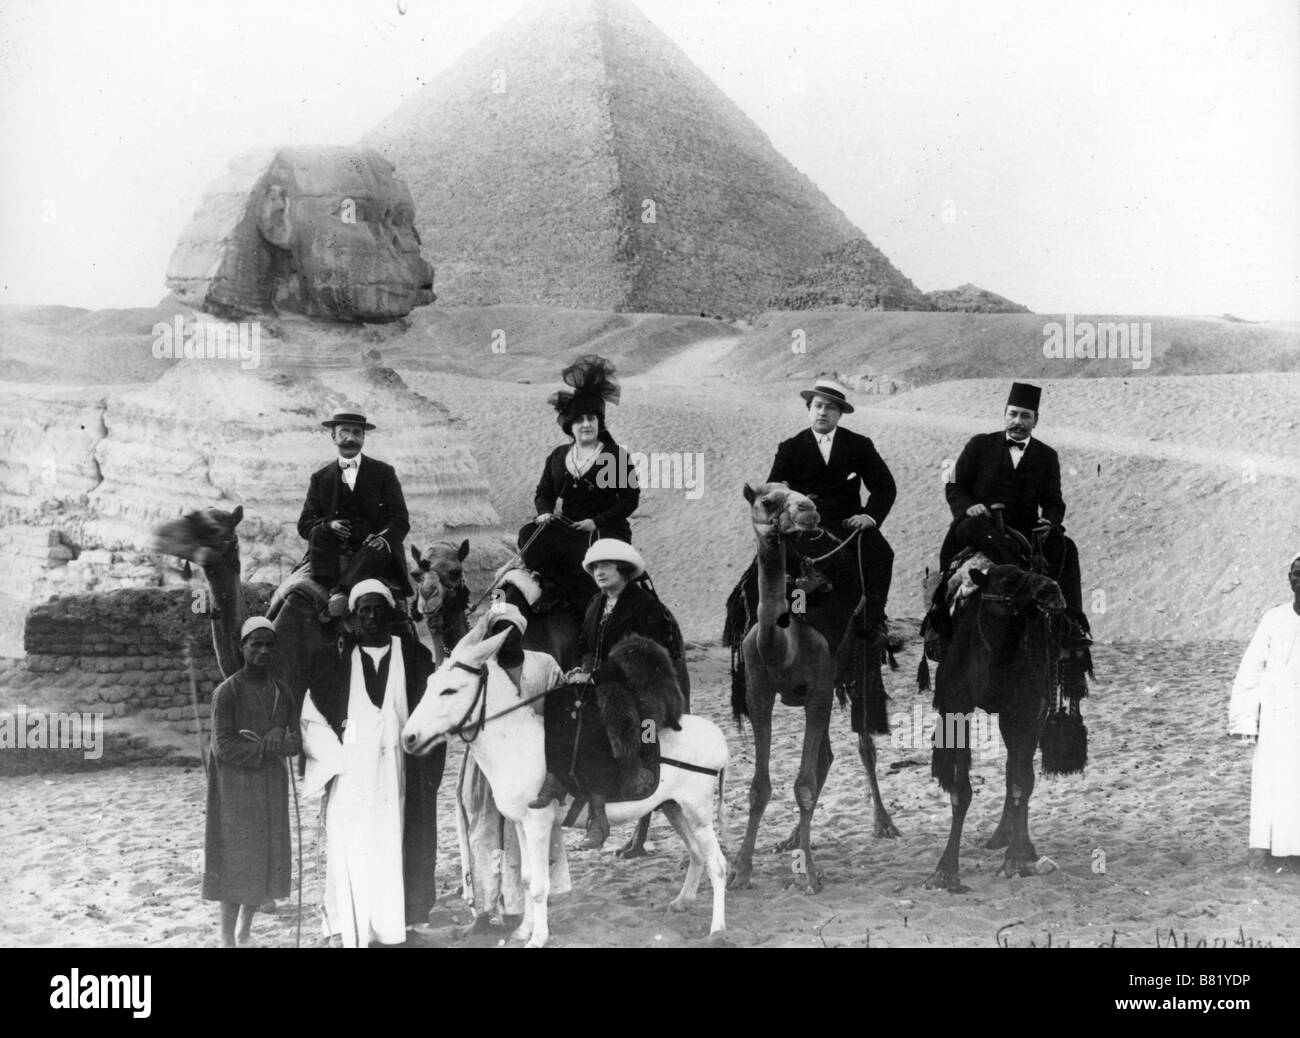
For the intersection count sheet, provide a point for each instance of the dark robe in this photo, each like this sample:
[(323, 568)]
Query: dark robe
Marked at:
[(247, 848), (330, 683)]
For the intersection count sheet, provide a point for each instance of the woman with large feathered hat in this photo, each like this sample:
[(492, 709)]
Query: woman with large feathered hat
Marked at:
[(588, 487)]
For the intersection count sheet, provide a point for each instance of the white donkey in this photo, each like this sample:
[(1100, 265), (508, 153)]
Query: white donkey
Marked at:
[(470, 696)]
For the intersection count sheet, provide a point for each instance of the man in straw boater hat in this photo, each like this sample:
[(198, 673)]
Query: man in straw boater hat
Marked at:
[(380, 805), (1265, 712), (832, 466), (354, 519), (1014, 469)]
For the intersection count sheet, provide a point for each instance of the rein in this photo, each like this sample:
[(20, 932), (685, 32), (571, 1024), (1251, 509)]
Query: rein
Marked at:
[(479, 703), (840, 545)]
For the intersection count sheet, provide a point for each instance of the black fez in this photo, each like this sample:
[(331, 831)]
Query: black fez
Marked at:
[(1024, 395)]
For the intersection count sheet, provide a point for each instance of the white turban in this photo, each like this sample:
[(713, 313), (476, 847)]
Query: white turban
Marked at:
[(511, 614), (369, 587), (1293, 560), (255, 623)]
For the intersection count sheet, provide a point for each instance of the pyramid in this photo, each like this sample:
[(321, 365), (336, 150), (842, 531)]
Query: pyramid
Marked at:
[(854, 274), (577, 158)]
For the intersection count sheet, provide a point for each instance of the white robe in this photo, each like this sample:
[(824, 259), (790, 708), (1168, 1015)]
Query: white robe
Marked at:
[(1266, 702), (364, 893), (491, 872)]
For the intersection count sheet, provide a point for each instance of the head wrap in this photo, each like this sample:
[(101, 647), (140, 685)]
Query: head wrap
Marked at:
[(369, 587), (592, 379), (503, 612), (255, 623)]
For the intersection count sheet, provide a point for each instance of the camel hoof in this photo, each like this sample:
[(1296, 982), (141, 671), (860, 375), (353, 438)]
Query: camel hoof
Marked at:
[(631, 849), (1012, 867), (997, 841), (887, 831), (948, 881), (679, 904), (535, 943), (740, 879), (814, 883)]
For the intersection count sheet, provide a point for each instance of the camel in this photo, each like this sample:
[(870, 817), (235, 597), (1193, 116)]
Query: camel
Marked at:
[(472, 697), (207, 538), (1002, 659), (786, 656), (441, 593)]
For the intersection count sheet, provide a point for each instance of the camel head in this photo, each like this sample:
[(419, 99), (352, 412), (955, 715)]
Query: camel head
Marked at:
[(778, 511), (439, 572), (452, 690), (1020, 589), (205, 537)]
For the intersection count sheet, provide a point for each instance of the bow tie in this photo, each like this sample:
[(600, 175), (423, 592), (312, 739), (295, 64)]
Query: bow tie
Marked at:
[(1017, 444), (347, 463)]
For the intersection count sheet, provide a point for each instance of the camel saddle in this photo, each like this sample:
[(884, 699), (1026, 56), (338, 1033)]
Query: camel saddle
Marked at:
[(299, 582)]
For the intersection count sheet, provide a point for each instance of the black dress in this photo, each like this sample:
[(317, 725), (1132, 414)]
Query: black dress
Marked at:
[(606, 493)]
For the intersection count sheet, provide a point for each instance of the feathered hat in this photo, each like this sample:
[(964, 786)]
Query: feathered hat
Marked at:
[(592, 379)]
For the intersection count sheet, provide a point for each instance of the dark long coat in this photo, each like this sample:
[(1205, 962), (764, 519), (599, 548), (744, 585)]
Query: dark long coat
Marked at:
[(985, 475)]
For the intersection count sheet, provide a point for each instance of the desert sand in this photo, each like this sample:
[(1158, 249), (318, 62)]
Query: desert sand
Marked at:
[(111, 859), (1177, 486)]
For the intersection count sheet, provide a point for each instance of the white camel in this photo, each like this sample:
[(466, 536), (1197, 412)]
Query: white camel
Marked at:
[(472, 697)]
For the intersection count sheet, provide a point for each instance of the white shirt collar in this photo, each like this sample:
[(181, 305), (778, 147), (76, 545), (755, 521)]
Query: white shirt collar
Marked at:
[(1025, 441), (356, 458), (825, 437)]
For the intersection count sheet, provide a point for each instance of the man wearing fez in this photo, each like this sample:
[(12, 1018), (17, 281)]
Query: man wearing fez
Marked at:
[(832, 466), (1014, 469), (380, 806), (354, 518)]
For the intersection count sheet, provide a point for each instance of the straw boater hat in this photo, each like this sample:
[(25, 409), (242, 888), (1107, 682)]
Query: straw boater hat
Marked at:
[(610, 549), (347, 418), (830, 390)]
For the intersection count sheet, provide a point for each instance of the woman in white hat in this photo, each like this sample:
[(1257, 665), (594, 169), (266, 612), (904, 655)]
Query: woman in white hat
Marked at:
[(588, 487), (621, 608)]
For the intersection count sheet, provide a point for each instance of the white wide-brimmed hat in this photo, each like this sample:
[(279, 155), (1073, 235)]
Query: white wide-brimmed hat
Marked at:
[(832, 391), (611, 549)]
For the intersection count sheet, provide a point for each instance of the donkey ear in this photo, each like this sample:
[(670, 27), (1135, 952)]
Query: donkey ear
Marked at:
[(415, 553), (463, 550), (979, 577), (237, 515), (750, 493)]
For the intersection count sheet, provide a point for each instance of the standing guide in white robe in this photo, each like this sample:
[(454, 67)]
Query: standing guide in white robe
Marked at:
[(362, 779), (491, 870), (1265, 711)]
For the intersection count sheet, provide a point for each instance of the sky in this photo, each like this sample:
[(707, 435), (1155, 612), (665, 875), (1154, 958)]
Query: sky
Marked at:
[(1089, 157)]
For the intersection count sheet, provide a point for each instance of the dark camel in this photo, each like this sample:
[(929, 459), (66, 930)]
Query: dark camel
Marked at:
[(207, 538), (1002, 658)]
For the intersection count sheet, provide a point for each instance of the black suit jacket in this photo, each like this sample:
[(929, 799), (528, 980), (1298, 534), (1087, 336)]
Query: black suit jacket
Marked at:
[(375, 506), (982, 473), (834, 486)]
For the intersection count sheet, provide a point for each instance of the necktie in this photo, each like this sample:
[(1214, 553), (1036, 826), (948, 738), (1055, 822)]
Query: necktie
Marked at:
[(347, 463)]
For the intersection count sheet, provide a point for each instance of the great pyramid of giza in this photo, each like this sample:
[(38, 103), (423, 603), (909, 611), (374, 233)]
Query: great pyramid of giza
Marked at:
[(577, 158)]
